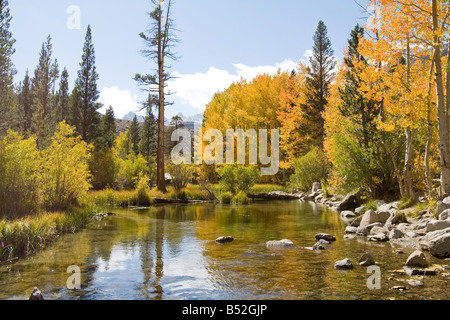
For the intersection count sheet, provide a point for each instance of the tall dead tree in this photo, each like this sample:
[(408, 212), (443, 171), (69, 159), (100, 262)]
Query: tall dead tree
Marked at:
[(159, 39)]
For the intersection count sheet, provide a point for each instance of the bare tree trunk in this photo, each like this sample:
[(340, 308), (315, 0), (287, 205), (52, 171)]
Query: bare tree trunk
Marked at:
[(428, 178), (443, 120), (407, 172)]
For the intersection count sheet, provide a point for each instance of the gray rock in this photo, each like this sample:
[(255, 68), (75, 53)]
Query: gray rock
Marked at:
[(285, 243), (440, 246), (366, 260), (316, 187), (379, 237), (446, 201), (320, 245), (368, 218), (378, 229), (445, 215), (345, 264), (350, 202), (36, 295), (386, 207), (224, 240), (351, 230), (393, 218), (348, 214), (417, 259), (441, 207), (419, 272), (396, 234), (362, 231), (436, 225), (383, 216), (326, 237), (360, 209), (356, 222)]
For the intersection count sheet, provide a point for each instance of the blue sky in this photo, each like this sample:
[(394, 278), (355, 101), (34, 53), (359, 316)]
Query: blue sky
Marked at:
[(220, 41)]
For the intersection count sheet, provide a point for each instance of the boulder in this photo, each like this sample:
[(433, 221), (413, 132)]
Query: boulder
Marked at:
[(368, 218), (285, 243), (435, 225), (417, 259), (224, 240), (379, 237), (396, 234), (351, 230), (362, 231), (316, 187), (366, 260), (445, 215), (320, 245), (350, 202), (345, 264), (441, 206), (348, 214), (393, 218), (440, 246), (360, 209), (446, 201), (326, 237), (36, 295), (356, 222), (378, 229), (383, 216)]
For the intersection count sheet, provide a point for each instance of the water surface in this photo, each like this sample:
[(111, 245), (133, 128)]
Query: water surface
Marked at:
[(170, 253)]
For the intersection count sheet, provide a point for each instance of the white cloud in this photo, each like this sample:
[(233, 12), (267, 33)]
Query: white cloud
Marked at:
[(198, 89), (122, 101)]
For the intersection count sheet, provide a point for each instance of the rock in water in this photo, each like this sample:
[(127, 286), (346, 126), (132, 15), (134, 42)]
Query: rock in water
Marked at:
[(345, 264), (370, 217), (285, 243), (326, 237), (36, 295), (366, 260), (417, 259), (224, 240), (316, 187), (440, 246), (350, 202)]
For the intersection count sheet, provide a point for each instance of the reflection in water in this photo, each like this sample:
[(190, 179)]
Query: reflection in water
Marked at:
[(169, 252)]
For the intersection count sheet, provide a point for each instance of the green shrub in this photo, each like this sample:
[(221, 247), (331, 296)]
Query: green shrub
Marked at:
[(241, 198), (142, 190), (238, 178), (226, 197), (309, 169)]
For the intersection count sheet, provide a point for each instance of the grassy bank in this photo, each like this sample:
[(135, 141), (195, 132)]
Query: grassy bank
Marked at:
[(20, 238), (125, 198)]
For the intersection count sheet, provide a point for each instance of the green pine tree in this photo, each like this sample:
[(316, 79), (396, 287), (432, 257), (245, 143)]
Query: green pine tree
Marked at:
[(107, 130), (135, 135), (62, 106), (354, 105), (43, 85), (149, 132), (321, 74), (25, 100), (7, 70), (87, 93)]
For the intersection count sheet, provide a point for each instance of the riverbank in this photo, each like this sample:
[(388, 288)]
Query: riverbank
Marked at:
[(23, 237), (191, 194), (424, 227)]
